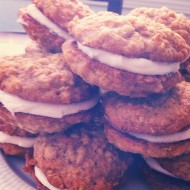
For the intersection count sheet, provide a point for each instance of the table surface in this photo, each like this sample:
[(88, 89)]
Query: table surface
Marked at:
[(13, 43)]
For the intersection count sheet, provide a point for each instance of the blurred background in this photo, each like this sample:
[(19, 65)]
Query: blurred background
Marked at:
[(9, 9)]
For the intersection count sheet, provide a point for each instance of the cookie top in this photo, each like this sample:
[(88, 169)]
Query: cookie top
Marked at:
[(129, 36), (81, 158), (42, 78), (175, 21), (62, 12), (155, 115)]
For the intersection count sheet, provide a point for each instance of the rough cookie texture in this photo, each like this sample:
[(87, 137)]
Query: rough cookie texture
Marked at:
[(80, 159), (111, 79), (179, 23), (130, 36), (178, 166), (62, 12), (127, 143), (154, 115), (43, 79), (175, 21)]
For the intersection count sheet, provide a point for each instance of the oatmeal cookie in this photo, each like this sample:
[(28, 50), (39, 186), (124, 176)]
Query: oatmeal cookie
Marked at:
[(81, 158), (175, 21), (46, 79), (156, 126), (10, 131), (43, 94), (46, 22), (129, 36), (121, 54), (154, 115), (128, 143)]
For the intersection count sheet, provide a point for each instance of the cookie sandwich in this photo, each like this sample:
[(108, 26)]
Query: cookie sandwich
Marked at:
[(132, 56), (80, 158), (156, 126), (14, 140), (39, 94), (46, 21)]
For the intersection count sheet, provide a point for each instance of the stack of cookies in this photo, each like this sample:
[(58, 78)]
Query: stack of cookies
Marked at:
[(95, 88), (135, 60), (49, 114)]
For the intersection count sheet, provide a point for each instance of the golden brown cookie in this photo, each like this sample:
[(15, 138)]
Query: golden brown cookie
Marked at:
[(156, 126), (154, 115), (81, 158), (43, 78), (175, 21), (43, 94), (121, 53), (129, 36), (12, 138), (62, 12), (46, 23), (128, 143)]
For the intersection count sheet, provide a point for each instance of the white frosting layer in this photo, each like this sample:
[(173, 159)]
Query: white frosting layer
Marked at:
[(25, 142), (134, 65), (42, 178), (154, 164), (15, 104), (36, 14), (176, 137)]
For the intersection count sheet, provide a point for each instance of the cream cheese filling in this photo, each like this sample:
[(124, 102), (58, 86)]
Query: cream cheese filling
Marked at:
[(15, 104), (42, 179), (25, 142), (36, 14), (134, 65), (176, 137), (154, 164)]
